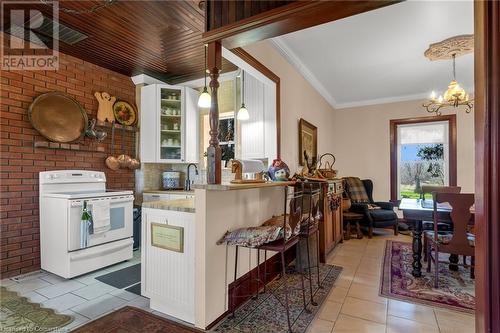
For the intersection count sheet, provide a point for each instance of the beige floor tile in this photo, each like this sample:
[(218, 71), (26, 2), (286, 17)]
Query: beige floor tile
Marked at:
[(320, 326), (415, 312), (365, 309), (366, 292), (369, 266), (344, 281), (367, 279), (401, 325), (337, 294), (329, 311), (342, 260), (347, 324), (454, 322)]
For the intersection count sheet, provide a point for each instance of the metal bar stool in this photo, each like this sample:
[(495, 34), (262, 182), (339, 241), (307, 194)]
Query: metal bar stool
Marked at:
[(291, 221), (309, 227)]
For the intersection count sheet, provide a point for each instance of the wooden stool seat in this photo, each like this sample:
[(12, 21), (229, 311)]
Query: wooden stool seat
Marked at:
[(351, 221)]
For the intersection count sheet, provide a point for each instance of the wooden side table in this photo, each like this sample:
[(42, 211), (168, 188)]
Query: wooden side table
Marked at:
[(351, 220)]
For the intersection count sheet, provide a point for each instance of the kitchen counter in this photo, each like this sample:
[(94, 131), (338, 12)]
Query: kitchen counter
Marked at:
[(243, 186), (180, 205)]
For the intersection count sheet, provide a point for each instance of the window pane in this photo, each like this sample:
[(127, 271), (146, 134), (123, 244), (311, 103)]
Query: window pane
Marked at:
[(423, 155)]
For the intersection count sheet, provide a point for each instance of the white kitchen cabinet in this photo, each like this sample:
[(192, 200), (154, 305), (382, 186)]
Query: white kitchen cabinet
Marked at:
[(155, 197), (169, 124), (165, 196)]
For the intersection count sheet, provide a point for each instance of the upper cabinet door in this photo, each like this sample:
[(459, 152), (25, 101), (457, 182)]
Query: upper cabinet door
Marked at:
[(192, 126), (163, 124), (171, 124)]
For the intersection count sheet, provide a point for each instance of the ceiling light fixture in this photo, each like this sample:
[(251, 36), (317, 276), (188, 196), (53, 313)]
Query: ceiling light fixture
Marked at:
[(243, 112), (205, 100), (455, 95)]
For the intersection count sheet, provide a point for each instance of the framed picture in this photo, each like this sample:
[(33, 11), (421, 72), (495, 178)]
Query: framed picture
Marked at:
[(308, 140), (167, 237)]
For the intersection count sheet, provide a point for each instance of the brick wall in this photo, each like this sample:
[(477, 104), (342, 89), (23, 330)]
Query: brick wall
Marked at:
[(20, 161)]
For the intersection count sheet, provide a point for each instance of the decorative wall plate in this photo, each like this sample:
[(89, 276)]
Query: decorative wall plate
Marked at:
[(125, 113), (58, 117), (458, 46)]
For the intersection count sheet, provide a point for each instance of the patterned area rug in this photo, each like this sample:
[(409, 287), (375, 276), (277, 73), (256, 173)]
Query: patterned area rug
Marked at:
[(456, 288), (267, 314), (18, 314), (133, 320)]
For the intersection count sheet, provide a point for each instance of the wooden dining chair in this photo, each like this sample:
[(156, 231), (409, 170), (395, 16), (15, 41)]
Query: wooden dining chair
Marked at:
[(429, 225), (458, 242)]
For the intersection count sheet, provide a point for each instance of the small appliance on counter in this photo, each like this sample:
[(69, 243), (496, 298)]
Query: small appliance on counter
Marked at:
[(171, 180), (247, 171), (67, 249)]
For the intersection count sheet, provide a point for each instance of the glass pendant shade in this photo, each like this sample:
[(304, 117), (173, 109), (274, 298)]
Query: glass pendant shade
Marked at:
[(243, 113), (205, 100)]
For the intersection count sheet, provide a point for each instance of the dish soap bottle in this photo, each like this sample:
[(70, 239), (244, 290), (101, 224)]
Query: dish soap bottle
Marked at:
[(85, 223)]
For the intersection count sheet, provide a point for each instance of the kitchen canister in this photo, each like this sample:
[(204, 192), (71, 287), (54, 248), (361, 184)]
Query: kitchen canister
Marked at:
[(171, 180)]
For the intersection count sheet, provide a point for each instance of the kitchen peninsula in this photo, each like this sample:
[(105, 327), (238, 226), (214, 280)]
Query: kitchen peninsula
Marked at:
[(192, 284)]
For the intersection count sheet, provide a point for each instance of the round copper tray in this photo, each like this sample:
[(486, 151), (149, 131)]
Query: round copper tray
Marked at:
[(58, 117)]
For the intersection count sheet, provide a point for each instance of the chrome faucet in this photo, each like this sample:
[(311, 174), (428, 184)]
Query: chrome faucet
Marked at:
[(187, 183)]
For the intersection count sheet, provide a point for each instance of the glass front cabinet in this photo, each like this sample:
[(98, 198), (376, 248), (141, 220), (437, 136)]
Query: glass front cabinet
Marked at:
[(169, 124)]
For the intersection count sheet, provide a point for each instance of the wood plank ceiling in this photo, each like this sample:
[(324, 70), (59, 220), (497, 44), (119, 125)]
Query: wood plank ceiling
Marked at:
[(160, 38)]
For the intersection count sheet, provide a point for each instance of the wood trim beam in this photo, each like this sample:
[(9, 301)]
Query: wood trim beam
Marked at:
[(249, 59), (487, 147), (452, 120), (288, 18)]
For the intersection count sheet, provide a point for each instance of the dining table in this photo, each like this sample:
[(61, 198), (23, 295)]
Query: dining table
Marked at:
[(414, 212)]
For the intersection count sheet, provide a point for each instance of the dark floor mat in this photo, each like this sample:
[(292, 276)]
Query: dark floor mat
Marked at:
[(122, 278), (136, 289)]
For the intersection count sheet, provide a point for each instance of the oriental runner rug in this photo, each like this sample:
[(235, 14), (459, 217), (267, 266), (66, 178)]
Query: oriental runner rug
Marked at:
[(133, 320), (456, 288), (266, 314), (18, 314)]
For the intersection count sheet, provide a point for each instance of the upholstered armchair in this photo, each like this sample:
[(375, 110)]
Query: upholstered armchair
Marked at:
[(376, 214)]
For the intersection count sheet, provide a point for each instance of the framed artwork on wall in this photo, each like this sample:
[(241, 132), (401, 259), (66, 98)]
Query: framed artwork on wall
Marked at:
[(308, 140)]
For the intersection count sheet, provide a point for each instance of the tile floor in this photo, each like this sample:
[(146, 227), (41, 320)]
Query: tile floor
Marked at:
[(83, 297), (353, 305)]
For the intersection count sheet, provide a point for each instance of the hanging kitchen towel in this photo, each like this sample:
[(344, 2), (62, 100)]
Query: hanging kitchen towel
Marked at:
[(100, 216)]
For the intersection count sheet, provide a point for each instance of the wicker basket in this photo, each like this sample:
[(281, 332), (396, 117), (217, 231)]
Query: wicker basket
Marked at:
[(325, 167)]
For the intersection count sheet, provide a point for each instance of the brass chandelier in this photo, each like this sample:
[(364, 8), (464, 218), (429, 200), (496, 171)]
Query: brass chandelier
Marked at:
[(455, 95)]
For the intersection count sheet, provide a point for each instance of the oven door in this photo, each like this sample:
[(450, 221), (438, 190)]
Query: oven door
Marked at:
[(121, 221)]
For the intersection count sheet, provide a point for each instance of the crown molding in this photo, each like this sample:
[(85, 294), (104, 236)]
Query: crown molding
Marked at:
[(292, 58), (387, 100)]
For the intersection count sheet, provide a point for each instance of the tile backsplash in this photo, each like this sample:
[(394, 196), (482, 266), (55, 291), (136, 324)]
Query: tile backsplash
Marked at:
[(150, 175)]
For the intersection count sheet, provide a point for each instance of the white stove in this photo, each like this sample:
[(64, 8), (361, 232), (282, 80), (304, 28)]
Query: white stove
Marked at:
[(62, 195)]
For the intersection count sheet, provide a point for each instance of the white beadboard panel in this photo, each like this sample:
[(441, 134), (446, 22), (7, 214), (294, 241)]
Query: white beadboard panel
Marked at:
[(168, 276), (270, 125), (192, 125), (252, 130), (149, 123)]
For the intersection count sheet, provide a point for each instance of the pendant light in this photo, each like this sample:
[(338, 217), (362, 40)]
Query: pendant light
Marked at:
[(243, 112), (205, 100)]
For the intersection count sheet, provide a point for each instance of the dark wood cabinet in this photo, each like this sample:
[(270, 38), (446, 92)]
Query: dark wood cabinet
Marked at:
[(330, 225)]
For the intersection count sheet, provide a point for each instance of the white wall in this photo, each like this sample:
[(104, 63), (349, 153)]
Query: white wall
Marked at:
[(363, 145), (298, 100), (359, 136)]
